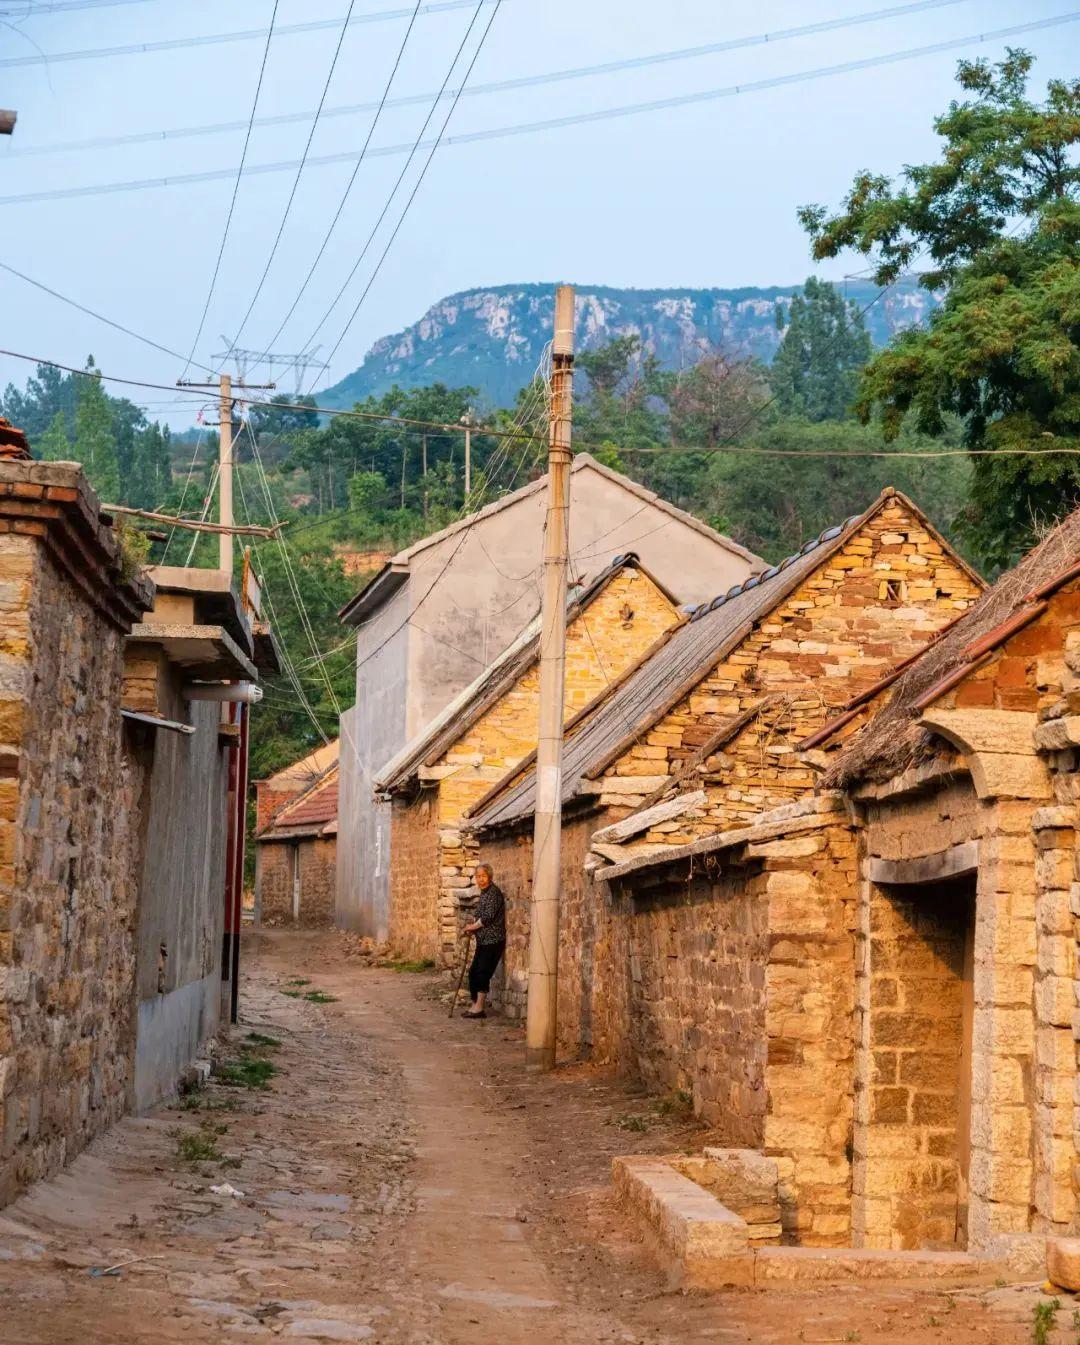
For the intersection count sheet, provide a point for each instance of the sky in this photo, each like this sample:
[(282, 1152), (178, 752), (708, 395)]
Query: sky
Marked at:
[(700, 195)]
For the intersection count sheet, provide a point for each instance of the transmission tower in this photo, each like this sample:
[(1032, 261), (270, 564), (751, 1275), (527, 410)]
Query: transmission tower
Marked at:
[(251, 359)]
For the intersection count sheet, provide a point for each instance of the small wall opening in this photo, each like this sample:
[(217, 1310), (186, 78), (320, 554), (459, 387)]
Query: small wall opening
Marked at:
[(917, 1138)]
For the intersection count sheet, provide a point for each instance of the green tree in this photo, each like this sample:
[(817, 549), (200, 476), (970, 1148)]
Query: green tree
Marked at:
[(773, 504), (54, 445), (815, 372), (95, 444), (998, 216)]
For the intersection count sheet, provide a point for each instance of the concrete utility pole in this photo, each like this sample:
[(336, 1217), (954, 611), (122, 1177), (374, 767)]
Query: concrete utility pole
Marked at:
[(225, 475), (547, 831), (467, 421)]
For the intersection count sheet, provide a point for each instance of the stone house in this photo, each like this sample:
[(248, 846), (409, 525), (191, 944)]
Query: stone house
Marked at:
[(114, 822), (489, 728), (273, 793), (441, 610), (296, 857), (701, 734), (879, 982), (200, 642)]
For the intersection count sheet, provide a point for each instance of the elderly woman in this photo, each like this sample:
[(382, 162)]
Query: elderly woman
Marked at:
[(490, 930)]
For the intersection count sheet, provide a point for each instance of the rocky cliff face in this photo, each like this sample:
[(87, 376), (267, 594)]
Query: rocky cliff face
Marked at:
[(492, 339)]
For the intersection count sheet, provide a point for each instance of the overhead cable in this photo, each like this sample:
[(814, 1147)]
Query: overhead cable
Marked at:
[(216, 39), (350, 184), (492, 86), (235, 193), (418, 141), (558, 123), (299, 174)]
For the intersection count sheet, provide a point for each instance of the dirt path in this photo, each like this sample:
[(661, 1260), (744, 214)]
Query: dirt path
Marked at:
[(403, 1181)]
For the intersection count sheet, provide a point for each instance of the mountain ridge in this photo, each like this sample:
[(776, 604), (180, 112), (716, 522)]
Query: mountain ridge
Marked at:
[(492, 337)]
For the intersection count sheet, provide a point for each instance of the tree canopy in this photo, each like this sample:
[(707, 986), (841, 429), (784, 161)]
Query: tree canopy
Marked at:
[(998, 217)]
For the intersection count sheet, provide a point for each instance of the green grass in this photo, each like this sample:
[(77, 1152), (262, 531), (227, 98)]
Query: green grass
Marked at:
[(292, 994), (260, 1039), (1044, 1314), (422, 964), (248, 1072), (630, 1121), (678, 1104), (201, 1146), (320, 997), (200, 1102), (298, 980)]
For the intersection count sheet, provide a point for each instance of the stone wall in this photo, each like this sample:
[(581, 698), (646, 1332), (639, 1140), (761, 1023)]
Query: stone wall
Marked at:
[(696, 955), (417, 929), (318, 881), (273, 882), (740, 988), (69, 824), (276, 860), (581, 931)]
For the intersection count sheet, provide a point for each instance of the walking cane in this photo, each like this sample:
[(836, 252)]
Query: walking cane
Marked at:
[(461, 978)]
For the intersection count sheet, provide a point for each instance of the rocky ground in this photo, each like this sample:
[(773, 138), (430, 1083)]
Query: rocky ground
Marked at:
[(401, 1179)]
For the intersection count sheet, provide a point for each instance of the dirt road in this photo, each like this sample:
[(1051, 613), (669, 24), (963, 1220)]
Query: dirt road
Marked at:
[(399, 1179)]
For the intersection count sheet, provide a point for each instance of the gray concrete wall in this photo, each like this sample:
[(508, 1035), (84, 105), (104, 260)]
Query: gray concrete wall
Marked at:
[(488, 589), (181, 898), (370, 735)]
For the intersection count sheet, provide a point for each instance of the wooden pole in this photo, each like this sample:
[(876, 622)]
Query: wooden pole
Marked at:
[(468, 460), (225, 477), (540, 1022)]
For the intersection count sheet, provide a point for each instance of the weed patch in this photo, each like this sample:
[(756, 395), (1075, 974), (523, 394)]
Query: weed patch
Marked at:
[(1045, 1311), (250, 1071), (418, 965), (320, 997), (632, 1122), (201, 1146), (255, 1040)]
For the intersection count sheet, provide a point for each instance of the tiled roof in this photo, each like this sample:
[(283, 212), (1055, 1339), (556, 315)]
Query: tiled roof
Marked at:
[(308, 769), (670, 671), (496, 679), (309, 815), (893, 739)]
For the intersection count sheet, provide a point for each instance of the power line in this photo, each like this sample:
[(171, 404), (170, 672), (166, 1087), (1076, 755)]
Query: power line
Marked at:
[(412, 195), (235, 192), (494, 86), (352, 179), (36, 9), (518, 436), (117, 326), (215, 39), (557, 123), (299, 173), (400, 178)]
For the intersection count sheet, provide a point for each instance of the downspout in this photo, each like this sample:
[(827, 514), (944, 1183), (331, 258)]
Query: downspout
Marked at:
[(240, 850), (230, 856)]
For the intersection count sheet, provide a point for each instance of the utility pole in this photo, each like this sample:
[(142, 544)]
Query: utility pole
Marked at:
[(467, 421), (540, 1019), (225, 475), (225, 458)]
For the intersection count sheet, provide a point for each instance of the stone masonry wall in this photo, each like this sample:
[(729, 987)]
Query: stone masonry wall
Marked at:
[(739, 987), (696, 954), (273, 882), (877, 600), (68, 865), (621, 622), (318, 882), (415, 930)]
